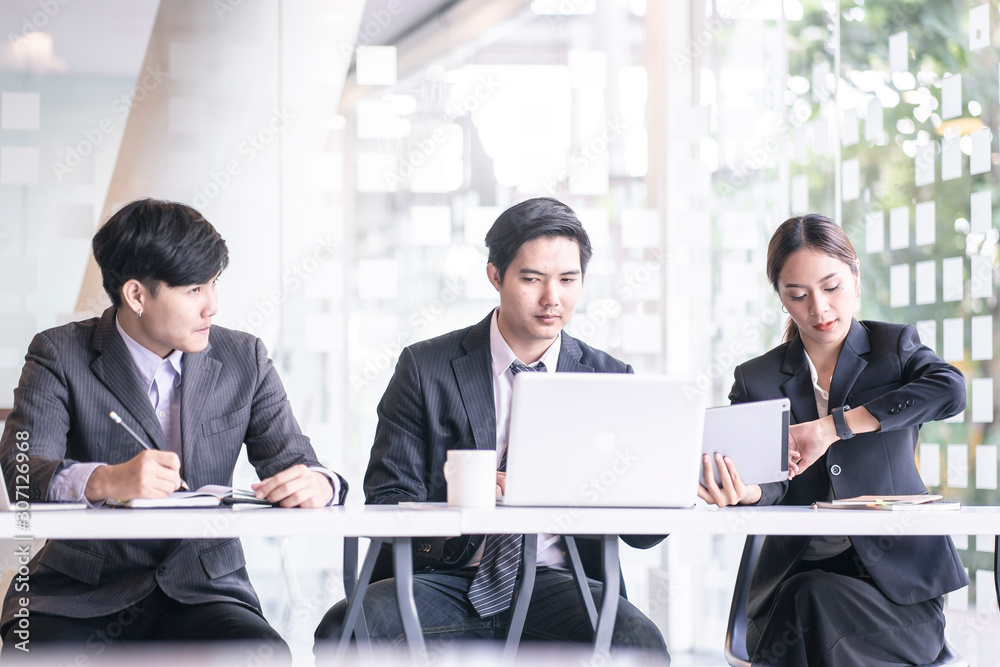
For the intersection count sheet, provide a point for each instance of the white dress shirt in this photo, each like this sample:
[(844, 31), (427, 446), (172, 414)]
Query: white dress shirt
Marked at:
[(550, 551)]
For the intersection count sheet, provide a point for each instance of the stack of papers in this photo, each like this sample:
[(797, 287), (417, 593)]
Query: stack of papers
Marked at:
[(920, 501)]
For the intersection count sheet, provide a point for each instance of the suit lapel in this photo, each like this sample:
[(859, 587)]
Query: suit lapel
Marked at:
[(116, 371), (850, 364), (798, 387), (569, 356), (199, 373), (474, 375)]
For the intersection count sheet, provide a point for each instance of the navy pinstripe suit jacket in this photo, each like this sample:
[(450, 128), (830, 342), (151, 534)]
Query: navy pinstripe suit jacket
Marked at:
[(440, 398), (74, 375)]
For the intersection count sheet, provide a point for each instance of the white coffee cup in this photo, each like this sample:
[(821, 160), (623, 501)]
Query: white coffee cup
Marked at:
[(472, 478)]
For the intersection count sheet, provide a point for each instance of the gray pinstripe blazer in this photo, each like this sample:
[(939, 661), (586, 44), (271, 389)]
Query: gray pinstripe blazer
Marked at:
[(73, 376), (441, 398)]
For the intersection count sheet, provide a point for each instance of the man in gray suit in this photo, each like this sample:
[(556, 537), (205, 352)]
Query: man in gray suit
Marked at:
[(193, 392), (454, 392)]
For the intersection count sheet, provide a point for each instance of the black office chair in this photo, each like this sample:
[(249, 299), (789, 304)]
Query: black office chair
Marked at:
[(736, 631)]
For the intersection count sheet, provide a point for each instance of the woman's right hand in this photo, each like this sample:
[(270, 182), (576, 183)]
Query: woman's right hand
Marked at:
[(732, 490)]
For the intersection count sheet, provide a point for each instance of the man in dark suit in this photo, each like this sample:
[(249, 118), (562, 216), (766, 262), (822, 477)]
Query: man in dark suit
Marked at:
[(454, 392), (195, 394)]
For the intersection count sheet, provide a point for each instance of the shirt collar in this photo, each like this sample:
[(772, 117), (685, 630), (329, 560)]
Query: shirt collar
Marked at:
[(503, 356), (146, 361), (815, 378)]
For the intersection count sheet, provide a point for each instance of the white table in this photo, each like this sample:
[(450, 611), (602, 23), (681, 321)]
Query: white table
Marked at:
[(399, 525)]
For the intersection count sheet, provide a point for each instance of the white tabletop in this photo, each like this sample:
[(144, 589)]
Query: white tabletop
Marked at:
[(775, 520), (376, 521), (390, 521)]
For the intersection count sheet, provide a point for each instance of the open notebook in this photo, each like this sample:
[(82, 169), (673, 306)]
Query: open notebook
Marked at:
[(211, 495)]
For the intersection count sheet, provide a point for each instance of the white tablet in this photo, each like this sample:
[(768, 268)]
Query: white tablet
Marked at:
[(754, 435)]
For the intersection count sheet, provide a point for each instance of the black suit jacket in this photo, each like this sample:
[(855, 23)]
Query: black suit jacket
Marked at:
[(884, 368), (73, 376), (440, 398)]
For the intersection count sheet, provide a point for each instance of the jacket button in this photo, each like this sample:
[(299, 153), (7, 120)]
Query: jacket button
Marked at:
[(162, 570), (909, 402), (893, 411), (901, 406), (835, 469)]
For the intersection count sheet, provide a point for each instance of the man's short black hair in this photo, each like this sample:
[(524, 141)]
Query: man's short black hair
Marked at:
[(524, 222), (151, 241)]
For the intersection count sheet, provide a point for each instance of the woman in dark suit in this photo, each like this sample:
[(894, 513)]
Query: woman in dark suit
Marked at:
[(859, 392)]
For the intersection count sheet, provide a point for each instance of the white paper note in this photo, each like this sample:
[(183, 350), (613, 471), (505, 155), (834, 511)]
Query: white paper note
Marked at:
[(927, 331), (875, 231), (851, 179), (820, 72), (981, 209), (979, 161), (925, 224), (821, 137), (930, 463), (982, 337), (951, 96), (981, 277), (926, 282), (982, 400), (958, 466), (640, 228), (800, 194), (953, 343), (21, 111), (899, 227), (979, 27), (431, 225), (874, 120), (923, 164), (952, 281), (899, 285), (951, 158), (986, 467), (899, 55), (986, 597), (849, 128)]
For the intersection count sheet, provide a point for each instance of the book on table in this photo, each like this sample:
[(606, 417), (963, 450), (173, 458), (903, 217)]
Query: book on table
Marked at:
[(919, 502), (210, 495)]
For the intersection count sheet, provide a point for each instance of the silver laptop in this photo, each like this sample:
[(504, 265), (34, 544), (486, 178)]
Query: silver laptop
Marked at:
[(6, 506), (603, 440)]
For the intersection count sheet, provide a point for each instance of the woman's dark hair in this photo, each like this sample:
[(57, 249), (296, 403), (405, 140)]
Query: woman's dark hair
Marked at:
[(529, 220), (815, 232), (152, 241)]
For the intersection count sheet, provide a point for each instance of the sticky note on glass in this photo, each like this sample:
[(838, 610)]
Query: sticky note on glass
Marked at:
[(986, 471), (953, 339), (958, 466), (926, 223), (981, 277), (820, 72), (640, 228), (951, 158), (821, 136), (981, 209), (800, 194), (19, 110), (982, 400), (431, 225), (899, 52), (923, 165), (951, 96), (875, 231), (899, 227), (874, 123), (930, 463), (849, 128), (951, 279), (926, 282), (850, 179), (982, 337), (979, 161), (899, 285), (927, 332), (979, 27)]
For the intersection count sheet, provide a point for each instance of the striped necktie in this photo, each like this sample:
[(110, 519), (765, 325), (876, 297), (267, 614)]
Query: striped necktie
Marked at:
[(493, 586)]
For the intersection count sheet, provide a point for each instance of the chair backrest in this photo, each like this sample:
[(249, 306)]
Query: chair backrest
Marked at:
[(736, 631)]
